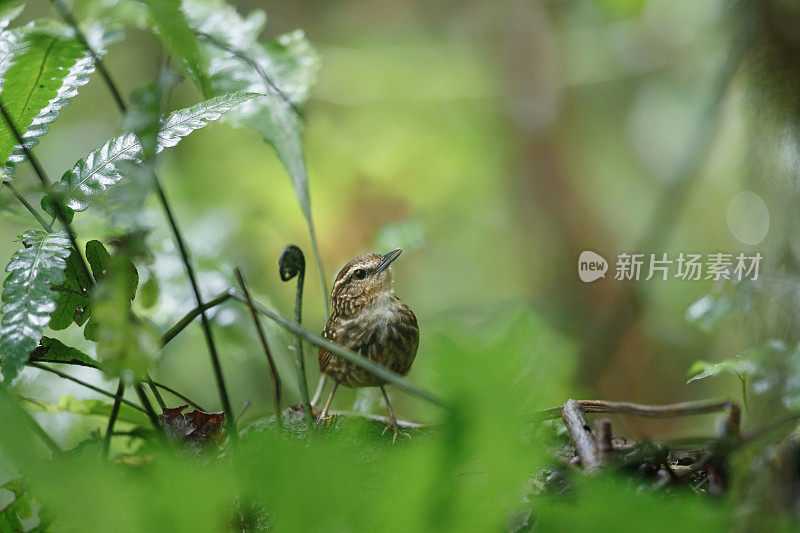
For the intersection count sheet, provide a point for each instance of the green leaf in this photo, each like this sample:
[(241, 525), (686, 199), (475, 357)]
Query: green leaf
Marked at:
[(77, 76), (702, 369), (54, 351), (179, 37), (126, 346), (28, 297), (284, 69), (99, 170), (73, 296), (33, 81)]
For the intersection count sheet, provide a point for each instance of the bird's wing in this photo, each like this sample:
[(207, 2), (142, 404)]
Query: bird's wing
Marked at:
[(324, 355)]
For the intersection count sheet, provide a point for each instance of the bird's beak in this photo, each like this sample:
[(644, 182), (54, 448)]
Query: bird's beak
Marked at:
[(387, 259)]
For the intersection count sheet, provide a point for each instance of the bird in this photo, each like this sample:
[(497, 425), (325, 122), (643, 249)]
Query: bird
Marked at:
[(367, 317)]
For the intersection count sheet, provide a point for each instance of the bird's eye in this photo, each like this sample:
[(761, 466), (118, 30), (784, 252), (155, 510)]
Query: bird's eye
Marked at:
[(360, 273)]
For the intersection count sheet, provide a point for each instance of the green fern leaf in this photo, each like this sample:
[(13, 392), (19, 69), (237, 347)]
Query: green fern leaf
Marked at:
[(99, 170), (28, 297), (77, 76), (284, 69), (33, 80)]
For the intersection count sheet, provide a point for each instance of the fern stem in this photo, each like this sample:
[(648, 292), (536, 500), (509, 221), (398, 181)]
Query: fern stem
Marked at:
[(83, 383), (29, 207), (112, 419), (179, 395), (67, 16), (191, 315), (148, 408), (205, 322), (273, 370)]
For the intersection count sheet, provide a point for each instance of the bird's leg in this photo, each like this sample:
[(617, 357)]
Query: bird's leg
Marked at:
[(324, 413), (392, 420)]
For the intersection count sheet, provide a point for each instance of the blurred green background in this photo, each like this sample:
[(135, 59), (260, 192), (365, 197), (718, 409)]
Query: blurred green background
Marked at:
[(494, 141)]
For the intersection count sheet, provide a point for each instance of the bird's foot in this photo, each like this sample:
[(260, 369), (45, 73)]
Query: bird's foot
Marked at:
[(324, 420), (395, 428)]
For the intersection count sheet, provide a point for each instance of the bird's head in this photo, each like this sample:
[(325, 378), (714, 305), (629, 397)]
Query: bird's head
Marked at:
[(363, 279)]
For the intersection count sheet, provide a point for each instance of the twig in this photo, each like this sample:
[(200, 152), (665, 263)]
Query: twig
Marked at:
[(28, 206), (602, 435), (384, 420), (113, 418), (66, 15), (206, 324), (648, 411), (585, 445), (273, 370), (83, 383), (179, 395), (194, 313), (148, 408)]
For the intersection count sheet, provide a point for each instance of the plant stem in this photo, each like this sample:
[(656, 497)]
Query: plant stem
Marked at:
[(276, 380), (179, 395), (212, 348), (29, 207), (191, 315), (85, 384), (113, 418), (66, 15), (745, 402), (148, 408)]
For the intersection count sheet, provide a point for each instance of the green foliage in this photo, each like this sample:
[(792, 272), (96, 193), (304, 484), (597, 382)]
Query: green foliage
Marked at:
[(34, 80), (54, 351), (91, 176), (73, 299), (283, 70), (175, 31), (28, 295), (20, 509), (126, 345), (77, 76)]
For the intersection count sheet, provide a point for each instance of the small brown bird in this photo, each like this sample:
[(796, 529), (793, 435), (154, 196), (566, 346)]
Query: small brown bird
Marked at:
[(369, 319)]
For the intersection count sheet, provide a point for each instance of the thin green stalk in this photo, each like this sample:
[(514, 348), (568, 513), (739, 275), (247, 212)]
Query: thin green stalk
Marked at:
[(148, 408), (191, 315), (112, 419), (29, 207), (291, 264), (83, 383), (745, 402), (273, 370), (206, 323), (179, 395), (67, 16)]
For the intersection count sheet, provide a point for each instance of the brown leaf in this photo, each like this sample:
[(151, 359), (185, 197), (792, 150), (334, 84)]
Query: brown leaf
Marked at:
[(195, 430)]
